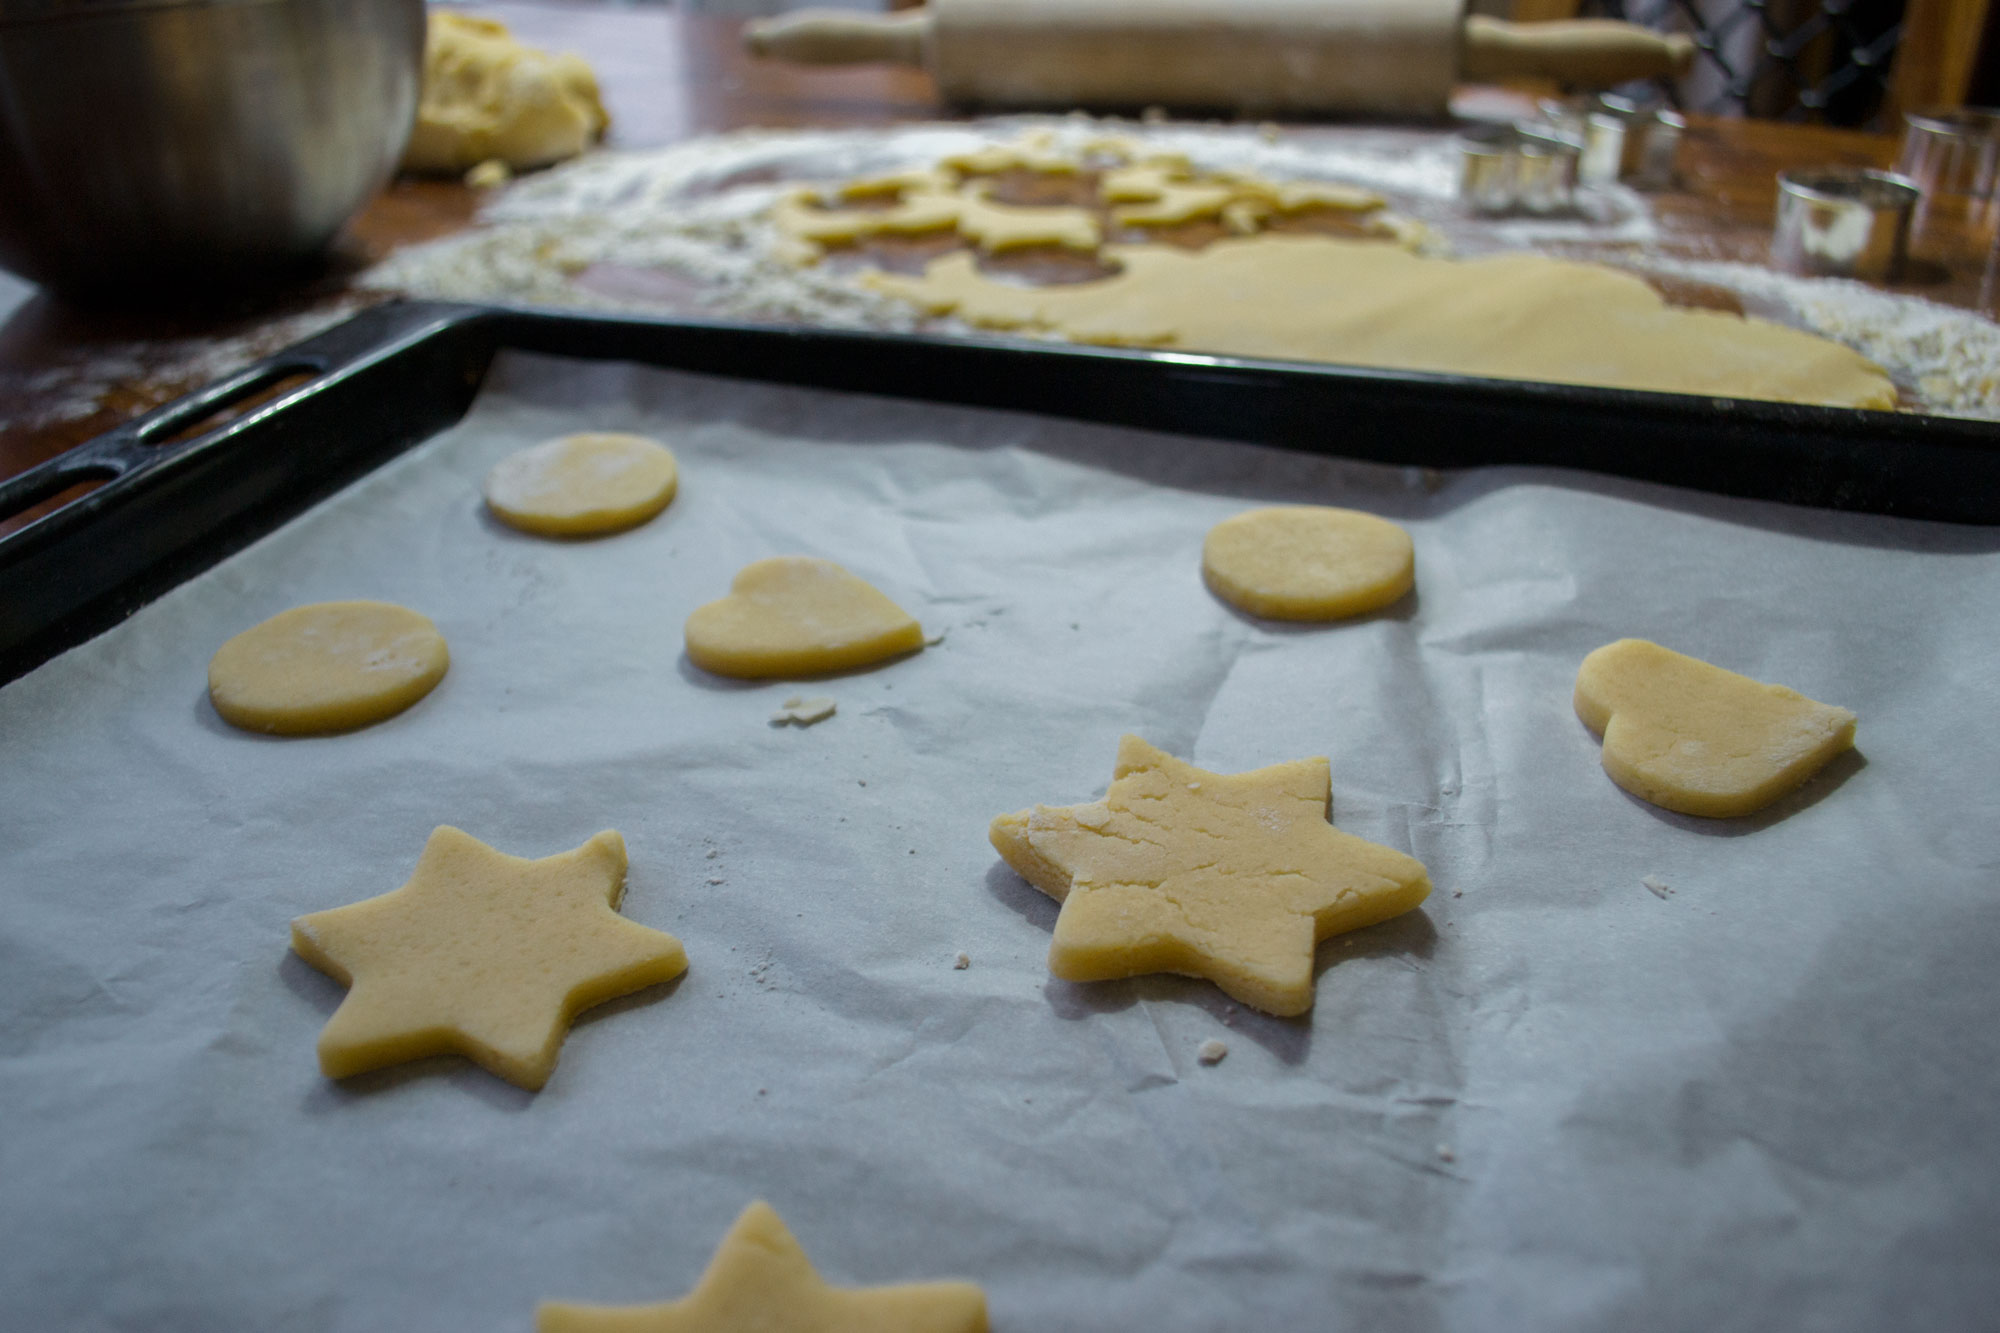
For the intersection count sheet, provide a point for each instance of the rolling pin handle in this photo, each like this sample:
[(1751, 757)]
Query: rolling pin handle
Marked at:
[(1584, 53), (840, 37)]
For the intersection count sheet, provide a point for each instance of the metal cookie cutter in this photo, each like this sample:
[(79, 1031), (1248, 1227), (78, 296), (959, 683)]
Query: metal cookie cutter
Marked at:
[(1849, 222), (1523, 167), (1623, 139)]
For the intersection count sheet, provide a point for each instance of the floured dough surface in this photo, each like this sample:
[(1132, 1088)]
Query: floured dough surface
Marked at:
[(1692, 737), (1308, 562), (326, 667), (797, 615), (1366, 303), (482, 954), (760, 1279), (486, 97), (583, 485), (1232, 877)]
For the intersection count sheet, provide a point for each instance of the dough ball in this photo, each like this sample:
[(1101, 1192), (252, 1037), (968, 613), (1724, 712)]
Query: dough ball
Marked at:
[(485, 96), (1308, 562), (330, 666), (583, 485)]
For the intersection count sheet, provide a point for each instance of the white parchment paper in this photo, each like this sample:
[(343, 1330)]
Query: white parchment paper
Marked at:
[(1551, 1099)]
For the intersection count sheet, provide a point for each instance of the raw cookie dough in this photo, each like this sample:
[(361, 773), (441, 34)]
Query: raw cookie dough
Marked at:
[(583, 485), (922, 204), (486, 97), (1308, 562), (794, 615), (483, 954), (1232, 877), (761, 1280), (1365, 303), (1691, 737), (1137, 188), (325, 667)]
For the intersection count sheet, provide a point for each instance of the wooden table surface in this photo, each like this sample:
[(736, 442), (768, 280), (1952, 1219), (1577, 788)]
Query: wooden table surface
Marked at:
[(68, 375)]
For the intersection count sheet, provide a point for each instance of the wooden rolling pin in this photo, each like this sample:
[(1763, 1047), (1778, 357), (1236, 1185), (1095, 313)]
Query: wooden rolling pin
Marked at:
[(1381, 56)]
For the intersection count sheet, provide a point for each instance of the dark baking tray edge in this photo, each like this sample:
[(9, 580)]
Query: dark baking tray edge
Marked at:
[(401, 372)]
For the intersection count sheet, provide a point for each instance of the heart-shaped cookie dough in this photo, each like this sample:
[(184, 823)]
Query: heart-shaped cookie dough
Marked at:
[(1695, 738), (793, 615)]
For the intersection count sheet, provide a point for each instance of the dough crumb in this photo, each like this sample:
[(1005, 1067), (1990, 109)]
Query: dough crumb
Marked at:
[(960, 963), (711, 853), (490, 174), (934, 638), (1211, 1052), (803, 712), (1458, 893), (1659, 887), (715, 879), (1445, 1153)]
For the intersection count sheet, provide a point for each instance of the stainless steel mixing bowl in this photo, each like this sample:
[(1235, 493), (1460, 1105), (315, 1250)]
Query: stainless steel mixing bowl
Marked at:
[(150, 145)]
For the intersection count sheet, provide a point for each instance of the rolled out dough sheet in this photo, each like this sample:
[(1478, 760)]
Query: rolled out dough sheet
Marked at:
[(1370, 303), (1763, 1102)]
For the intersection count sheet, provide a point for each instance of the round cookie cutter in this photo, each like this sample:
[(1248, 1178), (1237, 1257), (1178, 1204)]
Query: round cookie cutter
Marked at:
[(1523, 167), (1624, 139), (1849, 222)]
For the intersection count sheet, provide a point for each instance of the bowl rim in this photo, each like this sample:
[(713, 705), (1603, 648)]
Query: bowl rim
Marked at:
[(48, 11)]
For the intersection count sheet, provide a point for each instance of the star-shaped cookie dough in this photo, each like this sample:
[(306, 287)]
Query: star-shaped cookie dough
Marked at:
[(761, 1280), (483, 954), (1232, 877)]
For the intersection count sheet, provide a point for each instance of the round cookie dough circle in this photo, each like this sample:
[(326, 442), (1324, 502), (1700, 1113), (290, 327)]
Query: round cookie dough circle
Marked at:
[(329, 666), (583, 485), (1308, 562)]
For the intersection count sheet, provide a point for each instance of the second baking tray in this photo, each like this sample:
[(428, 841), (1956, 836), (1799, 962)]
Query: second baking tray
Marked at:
[(178, 493)]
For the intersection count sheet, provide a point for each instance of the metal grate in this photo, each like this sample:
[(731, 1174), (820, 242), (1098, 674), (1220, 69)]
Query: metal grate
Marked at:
[(1819, 60)]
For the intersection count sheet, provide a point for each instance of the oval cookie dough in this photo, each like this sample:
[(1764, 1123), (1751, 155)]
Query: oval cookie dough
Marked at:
[(1692, 737), (330, 666), (1308, 562), (583, 485), (794, 615)]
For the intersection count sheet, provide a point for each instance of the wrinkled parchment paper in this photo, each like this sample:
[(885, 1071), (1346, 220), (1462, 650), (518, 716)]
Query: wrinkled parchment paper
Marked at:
[(1759, 1099)]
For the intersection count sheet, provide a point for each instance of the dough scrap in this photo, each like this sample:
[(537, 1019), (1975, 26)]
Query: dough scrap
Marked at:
[(583, 485), (802, 712), (1364, 303), (326, 667), (1308, 562), (1139, 187), (1232, 877), (921, 205), (796, 615), (801, 218), (1034, 151), (761, 1279), (1694, 738), (1163, 192), (997, 227), (481, 954), (485, 96)]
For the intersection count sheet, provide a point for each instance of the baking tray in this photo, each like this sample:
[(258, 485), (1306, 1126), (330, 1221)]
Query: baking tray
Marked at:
[(177, 496)]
